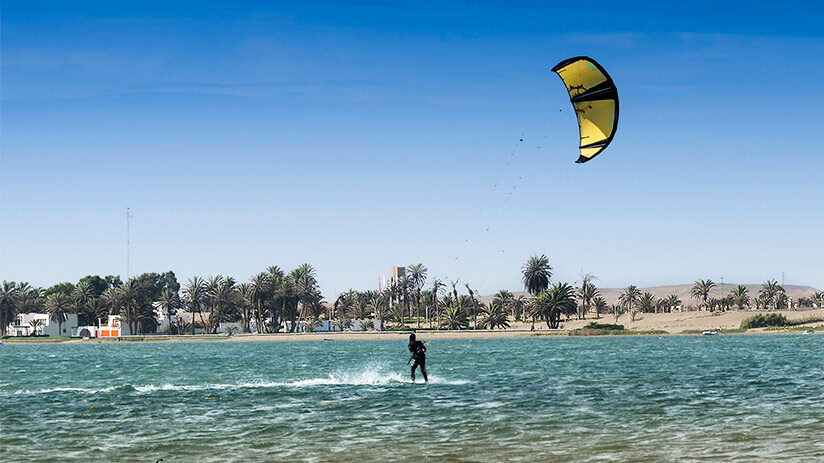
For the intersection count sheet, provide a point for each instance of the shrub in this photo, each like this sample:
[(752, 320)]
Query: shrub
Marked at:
[(604, 326), (763, 320)]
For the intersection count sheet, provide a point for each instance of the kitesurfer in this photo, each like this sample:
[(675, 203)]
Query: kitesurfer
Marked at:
[(418, 351)]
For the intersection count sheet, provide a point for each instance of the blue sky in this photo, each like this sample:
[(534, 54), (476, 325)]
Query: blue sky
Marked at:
[(356, 136)]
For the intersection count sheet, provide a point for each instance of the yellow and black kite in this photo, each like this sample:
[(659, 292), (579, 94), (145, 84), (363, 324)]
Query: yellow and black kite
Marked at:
[(595, 99)]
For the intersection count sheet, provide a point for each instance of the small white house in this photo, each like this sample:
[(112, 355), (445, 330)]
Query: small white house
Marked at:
[(42, 324)]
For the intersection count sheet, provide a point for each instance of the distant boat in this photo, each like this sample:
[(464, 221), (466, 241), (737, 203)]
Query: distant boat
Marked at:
[(709, 333), (808, 332)]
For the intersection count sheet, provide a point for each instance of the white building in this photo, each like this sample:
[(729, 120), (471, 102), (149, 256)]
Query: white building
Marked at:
[(41, 324)]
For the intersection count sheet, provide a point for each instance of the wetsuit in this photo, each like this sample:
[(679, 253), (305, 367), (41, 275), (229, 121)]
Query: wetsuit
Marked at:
[(418, 351)]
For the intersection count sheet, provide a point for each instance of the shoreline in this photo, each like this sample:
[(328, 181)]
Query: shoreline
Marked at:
[(645, 324), (377, 336)]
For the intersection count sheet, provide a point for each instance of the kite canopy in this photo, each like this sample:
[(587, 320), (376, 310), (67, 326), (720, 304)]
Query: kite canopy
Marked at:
[(595, 99)]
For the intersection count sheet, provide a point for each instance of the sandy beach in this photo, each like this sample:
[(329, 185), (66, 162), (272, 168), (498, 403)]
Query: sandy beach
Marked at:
[(671, 323)]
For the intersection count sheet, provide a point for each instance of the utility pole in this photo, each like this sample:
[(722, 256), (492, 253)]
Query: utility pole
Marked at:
[(128, 240), (783, 277)]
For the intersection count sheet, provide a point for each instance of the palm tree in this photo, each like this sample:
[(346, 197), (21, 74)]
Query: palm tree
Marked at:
[(600, 305), (306, 290), (245, 304), (97, 309), (377, 305), (436, 285), (417, 276), (454, 317), (82, 294), (58, 306), (646, 303), (287, 294), (259, 288), (474, 306), (278, 296), (505, 300), (129, 293), (554, 302), (169, 303), (671, 302), (536, 274), (494, 316), (771, 290), (193, 294), (210, 299), (112, 299), (586, 294), (740, 296), (817, 298), (617, 310), (519, 305), (701, 290), (36, 326), (454, 284), (30, 299), (629, 297), (9, 298)]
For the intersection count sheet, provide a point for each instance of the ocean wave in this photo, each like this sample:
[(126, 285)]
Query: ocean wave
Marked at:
[(373, 376)]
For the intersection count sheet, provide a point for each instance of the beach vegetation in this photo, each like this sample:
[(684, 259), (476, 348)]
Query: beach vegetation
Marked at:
[(629, 300), (763, 320), (586, 295), (494, 316), (455, 317), (740, 296), (701, 290), (772, 295), (647, 303), (557, 301)]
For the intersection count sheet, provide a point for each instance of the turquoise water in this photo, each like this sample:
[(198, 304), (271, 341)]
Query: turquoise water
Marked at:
[(725, 398)]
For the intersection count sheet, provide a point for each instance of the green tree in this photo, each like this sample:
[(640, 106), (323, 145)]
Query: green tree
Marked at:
[(417, 277), (536, 274), (647, 302), (629, 299), (771, 290), (740, 296), (671, 302), (193, 295), (817, 298), (586, 294), (473, 306), (9, 299), (58, 306), (170, 303), (83, 294), (505, 300), (436, 286), (701, 290), (494, 316), (600, 305), (454, 317), (97, 309), (554, 302), (307, 291), (112, 300), (259, 288)]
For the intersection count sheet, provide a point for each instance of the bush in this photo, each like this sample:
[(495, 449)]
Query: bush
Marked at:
[(604, 326), (763, 320)]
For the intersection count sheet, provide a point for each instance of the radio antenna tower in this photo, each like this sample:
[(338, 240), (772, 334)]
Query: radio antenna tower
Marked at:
[(128, 240)]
